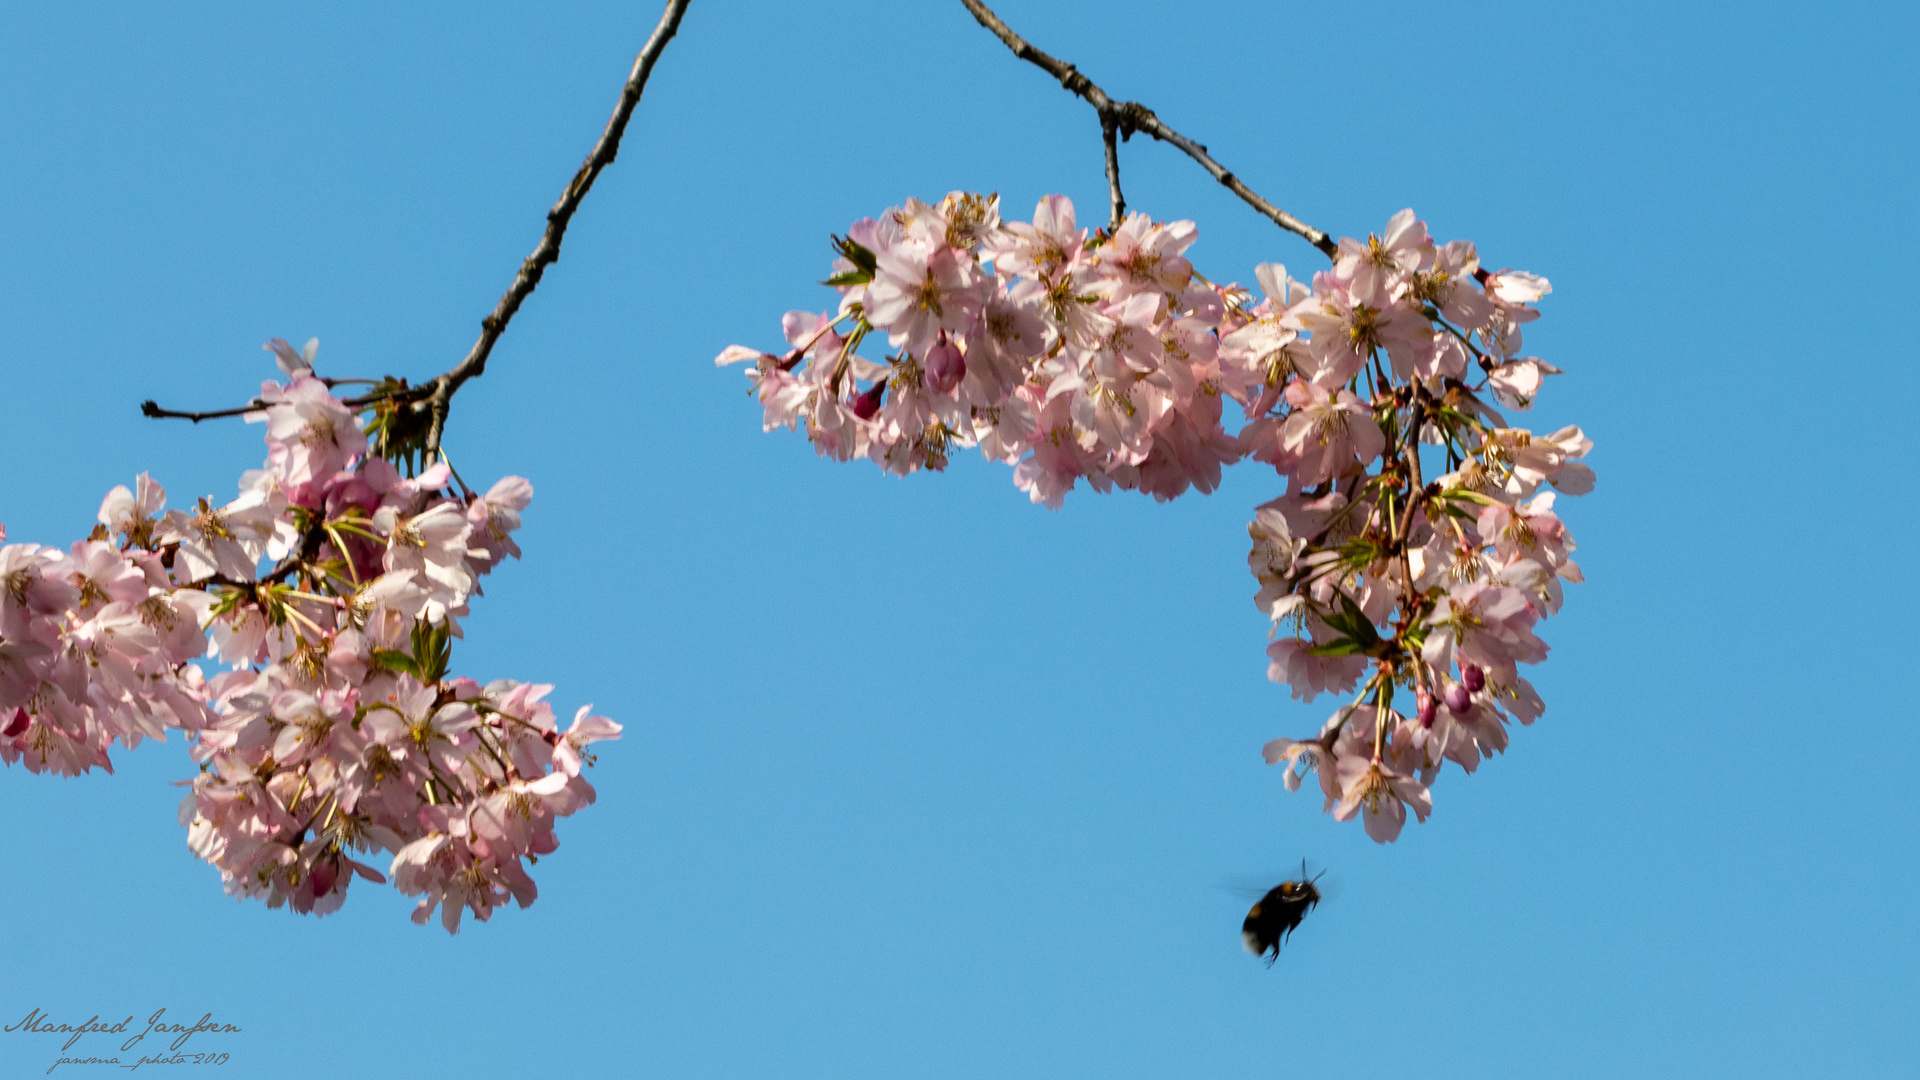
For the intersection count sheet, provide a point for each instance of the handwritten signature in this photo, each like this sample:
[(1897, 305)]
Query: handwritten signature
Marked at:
[(38, 1023), (175, 1058)]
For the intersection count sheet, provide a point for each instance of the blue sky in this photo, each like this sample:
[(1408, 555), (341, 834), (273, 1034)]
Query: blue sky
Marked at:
[(920, 779)]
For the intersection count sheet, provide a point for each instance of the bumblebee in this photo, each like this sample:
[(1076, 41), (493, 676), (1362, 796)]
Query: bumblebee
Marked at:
[(1274, 916)]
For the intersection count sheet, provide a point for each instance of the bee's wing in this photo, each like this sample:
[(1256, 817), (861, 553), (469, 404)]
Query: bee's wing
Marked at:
[(1251, 886), (1256, 885)]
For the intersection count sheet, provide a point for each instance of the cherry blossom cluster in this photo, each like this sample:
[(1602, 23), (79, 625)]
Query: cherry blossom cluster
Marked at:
[(336, 732), (94, 649), (1106, 356), (1405, 587), (1066, 354)]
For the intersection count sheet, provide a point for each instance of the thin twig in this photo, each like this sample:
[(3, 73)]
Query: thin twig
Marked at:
[(153, 409), (548, 250), (403, 394), (1109, 128), (1131, 116)]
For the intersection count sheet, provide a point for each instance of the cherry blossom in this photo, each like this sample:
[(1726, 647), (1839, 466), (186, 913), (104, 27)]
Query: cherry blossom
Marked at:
[(1414, 548), (336, 739), (1072, 356)]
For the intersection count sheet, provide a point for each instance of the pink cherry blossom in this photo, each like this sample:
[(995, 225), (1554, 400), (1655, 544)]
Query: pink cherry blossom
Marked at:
[(569, 751), (1310, 675), (1328, 433), (1105, 358), (432, 544), (310, 434), (918, 293), (131, 514), (1380, 795), (1146, 257), (1374, 267), (227, 541), (338, 733)]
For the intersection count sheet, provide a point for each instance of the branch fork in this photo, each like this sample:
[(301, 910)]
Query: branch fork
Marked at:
[(1127, 117)]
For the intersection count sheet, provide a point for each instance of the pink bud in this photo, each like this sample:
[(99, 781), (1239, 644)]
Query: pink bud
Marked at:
[(867, 404), (323, 877), (945, 366), (1473, 677), (1427, 708), (1458, 700)]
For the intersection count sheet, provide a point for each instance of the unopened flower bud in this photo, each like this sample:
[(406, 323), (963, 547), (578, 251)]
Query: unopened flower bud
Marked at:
[(1458, 700), (945, 366), (867, 404), (323, 877), (1473, 677), (1427, 708)]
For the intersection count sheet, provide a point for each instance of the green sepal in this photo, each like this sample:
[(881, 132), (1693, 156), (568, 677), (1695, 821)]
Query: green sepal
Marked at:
[(864, 263)]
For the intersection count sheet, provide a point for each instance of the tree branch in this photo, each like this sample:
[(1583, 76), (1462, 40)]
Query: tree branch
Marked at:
[(152, 408), (435, 396), (403, 394), (1110, 127), (548, 250), (1131, 116)]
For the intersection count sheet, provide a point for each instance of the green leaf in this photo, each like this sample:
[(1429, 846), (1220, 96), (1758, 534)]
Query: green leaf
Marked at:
[(432, 651), (1362, 627), (1340, 621), (1342, 647), (394, 660)]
